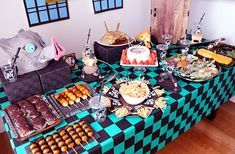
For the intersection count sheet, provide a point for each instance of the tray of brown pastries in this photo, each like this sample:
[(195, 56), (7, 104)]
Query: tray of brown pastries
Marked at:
[(134, 98), (72, 99), (66, 140), (30, 117)]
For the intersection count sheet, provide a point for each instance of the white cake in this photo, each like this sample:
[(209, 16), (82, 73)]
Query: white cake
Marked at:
[(140, 53)]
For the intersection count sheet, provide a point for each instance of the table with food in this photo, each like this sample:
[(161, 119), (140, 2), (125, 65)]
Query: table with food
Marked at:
[(138, 104)]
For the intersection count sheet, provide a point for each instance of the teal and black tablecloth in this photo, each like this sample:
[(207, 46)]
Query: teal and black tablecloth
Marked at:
[(137, 135)]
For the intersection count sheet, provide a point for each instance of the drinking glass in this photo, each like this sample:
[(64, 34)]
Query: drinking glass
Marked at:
[(167, 39), (99, 113), (10, 72), (162, 48), (186, 45)]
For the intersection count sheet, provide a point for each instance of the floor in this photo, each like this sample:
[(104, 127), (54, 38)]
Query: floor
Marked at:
[(207, 137)]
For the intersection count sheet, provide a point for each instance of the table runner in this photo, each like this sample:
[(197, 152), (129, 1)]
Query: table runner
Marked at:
[(137, 135)]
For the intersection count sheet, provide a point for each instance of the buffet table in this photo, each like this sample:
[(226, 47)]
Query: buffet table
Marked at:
[(137, 135)]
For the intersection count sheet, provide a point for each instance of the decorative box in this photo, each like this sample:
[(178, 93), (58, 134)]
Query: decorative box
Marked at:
[(56, 75), (107, 53), (26, 85)]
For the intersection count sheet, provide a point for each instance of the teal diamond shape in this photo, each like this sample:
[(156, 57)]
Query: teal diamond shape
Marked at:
[(21, 149), (113, 130), (82, 114), (2, 94), (147, 140), (175, 135), (157, 125), (172, 116), (130, 150), (152, 74), (169, 133), (5, 104), (178, 120), (154, 143), (114, 118), (148, 121), (196, 85), (133, 120), (139, 136), (119, 148), (163, 130), (129, 132), (96, 126), (107, 145)]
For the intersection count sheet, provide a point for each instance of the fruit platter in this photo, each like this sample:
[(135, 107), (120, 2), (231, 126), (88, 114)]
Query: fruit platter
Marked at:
[(192, 68), (134, 97), (217, 57), (138, 55)]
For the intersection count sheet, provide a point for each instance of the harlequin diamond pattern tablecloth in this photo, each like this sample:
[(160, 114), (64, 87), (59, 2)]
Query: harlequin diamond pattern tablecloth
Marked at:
[(137, 135)]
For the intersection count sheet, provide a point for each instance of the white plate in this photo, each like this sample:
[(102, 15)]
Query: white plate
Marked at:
[(117, 45)]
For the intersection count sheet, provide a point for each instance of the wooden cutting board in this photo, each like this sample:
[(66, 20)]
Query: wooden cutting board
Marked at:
[(169, 17)]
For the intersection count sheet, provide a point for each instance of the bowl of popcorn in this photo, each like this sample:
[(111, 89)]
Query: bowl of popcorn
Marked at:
[(134, 92)]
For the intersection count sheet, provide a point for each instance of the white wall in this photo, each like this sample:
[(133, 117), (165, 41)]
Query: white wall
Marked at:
[(219, 19), (72, 33)]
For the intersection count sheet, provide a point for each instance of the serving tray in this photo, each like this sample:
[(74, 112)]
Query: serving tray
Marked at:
[(66, 112), (118, 102), (76, 147), (179, 74), (13, 127)]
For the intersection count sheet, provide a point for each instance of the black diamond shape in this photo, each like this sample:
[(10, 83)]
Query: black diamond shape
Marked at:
[(110, 151), (200, 90), (165, 120), (139, 145), (95, 150), (148, 131), (129, 142), (192, 103), (189, 88), (171, 124), (189, 119), (184, 116), (174, 107), (179, 111), (204, 95), (176, 96), (176, 128), (104, 136), (123, 124), (168, 140), (147, 148), (119, 138), (139, 127), (188, 98), (156, 134), (181, 131), (107, 123), (162, 138)]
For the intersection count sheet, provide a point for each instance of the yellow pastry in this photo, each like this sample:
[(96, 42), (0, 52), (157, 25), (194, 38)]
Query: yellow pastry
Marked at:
[(217, 57), (222, 59), (206, 53)]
